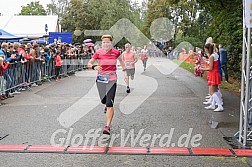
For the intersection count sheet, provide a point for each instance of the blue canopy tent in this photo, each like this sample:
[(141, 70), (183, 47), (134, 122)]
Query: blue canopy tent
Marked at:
[(5, 36), (40, 41)]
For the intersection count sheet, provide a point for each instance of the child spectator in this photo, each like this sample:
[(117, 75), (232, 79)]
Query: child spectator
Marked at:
[(58, 64), (3, 66)]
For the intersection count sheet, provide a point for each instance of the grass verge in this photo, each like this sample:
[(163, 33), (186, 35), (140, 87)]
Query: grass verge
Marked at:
[(232, 86)]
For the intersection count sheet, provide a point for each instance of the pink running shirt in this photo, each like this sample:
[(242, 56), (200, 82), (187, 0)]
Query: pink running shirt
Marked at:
[(107, 61), (128, 58)]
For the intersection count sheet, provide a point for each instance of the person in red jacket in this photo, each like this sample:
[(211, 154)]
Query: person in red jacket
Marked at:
[(3, 66), (58, 64)]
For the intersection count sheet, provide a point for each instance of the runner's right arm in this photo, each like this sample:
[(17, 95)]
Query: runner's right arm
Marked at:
[(91, 66)]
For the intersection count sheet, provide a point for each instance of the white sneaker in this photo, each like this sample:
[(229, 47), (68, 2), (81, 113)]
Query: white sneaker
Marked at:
[(12, 94), (207, 102), (210, 107), (35, 85), (217, 104), (219, 109), (17, 92), (207, 97)]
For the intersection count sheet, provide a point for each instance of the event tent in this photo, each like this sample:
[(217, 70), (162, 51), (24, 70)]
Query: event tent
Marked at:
[(4, 35)]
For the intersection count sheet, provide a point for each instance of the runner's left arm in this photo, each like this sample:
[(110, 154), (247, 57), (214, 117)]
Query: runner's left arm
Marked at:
[(135, 58)]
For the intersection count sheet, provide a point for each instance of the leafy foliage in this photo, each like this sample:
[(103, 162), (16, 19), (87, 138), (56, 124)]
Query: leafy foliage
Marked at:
[(195, 20), (97, 15), (57, 7), (34, 8)]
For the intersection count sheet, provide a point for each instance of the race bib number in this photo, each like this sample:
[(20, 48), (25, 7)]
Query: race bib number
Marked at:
[(103, 78), (128, 64)]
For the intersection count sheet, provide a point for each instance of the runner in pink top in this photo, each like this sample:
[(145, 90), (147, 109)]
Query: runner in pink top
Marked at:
[(144, 56), (129, 57), (107, 62), (106, 77)]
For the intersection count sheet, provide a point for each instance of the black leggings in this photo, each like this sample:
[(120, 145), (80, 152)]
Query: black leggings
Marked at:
[(57, 71), (107, 92)]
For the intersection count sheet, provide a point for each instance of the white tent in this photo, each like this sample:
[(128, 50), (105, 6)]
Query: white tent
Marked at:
[(29, 26)]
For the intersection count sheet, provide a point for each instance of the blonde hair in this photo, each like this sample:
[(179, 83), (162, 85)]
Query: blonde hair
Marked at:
[(214, 47), (107, 36), (128, 44), (209, 40), (16, 45), (4, 44)]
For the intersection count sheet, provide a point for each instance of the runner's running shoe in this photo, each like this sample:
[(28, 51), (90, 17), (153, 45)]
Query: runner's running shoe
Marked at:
[(128, 90), (106, 130)]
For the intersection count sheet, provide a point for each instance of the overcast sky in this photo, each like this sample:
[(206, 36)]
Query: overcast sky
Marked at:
[(11, 7)]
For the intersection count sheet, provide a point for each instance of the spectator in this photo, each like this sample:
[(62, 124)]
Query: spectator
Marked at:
[(213, 77), (22, 52), (223, 61), (28, 48), (58, 64), (3, 50), (3, 66)]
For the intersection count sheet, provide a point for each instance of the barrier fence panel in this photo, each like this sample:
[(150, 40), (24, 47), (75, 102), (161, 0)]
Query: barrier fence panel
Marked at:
[(23, 74)]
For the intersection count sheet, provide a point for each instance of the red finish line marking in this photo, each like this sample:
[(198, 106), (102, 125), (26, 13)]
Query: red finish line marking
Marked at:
[(46, 148), (87, 149), (240, 152), (211, 151), (13, 147), (127, 150), (175, 151)]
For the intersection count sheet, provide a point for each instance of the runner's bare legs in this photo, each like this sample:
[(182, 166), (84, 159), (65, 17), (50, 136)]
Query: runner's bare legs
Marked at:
[(109, 115)]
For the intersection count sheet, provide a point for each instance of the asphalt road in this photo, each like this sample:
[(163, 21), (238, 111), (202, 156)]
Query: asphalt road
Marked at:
[(165, 101)]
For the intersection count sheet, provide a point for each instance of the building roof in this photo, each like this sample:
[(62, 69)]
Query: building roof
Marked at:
[(29, 26)]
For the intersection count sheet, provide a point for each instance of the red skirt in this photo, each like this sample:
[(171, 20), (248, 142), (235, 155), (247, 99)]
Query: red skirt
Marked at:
[(213, 78)]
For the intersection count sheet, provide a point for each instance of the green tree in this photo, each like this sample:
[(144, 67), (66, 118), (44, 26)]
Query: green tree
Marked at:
[(75, 18), (196, 20), (34, 8), (226, 28), (57, 7), (182, 14), (98, 15)]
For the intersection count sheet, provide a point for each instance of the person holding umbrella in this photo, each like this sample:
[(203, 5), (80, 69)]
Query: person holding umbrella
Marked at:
[(89, 48), (87, 41)]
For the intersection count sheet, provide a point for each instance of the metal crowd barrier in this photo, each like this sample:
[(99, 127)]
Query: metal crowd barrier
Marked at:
[(23, 74)]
